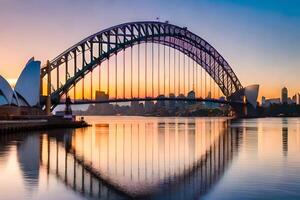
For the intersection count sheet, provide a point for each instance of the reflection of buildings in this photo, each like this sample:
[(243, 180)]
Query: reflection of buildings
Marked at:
[(28, 152), (284, 137), (285, 140), (78, 157), (250, 137)]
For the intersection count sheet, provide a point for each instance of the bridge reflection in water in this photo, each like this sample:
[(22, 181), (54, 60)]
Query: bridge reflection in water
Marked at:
[(171, 158)]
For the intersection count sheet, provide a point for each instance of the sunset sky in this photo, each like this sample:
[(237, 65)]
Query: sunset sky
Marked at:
[(260, 39)]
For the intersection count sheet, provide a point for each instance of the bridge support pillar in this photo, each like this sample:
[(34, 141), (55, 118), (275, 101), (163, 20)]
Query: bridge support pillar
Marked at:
[(48, 101)]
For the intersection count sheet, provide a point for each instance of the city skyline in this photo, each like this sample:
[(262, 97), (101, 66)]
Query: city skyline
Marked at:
[(251, 46)]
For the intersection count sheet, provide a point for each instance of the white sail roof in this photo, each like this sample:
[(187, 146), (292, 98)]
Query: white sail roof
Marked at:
[(28, 84), (251, 93), (6, 92)]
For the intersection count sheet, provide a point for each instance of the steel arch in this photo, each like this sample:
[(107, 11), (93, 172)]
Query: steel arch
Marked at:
[(112, 40)]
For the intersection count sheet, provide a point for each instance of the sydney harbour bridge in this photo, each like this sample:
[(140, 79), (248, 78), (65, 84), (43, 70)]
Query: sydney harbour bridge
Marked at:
[(143, 61)]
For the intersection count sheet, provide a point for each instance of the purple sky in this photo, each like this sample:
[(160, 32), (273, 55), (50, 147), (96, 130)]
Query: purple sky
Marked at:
[(259, 40)]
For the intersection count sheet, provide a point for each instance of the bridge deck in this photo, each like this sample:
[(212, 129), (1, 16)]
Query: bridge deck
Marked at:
[(88, 101)]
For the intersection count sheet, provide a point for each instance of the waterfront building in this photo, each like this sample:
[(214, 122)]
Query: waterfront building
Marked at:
[(161, 104), (136, 108), (294, 99), (284, 95), (6, 93), (27, 90), (134, 105), (181, 104), (149, 106), (191, 95), (172, 104), (269, 102), (24, 98), (290, 101)]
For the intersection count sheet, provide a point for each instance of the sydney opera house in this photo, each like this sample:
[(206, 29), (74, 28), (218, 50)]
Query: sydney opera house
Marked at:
[(24, 97)]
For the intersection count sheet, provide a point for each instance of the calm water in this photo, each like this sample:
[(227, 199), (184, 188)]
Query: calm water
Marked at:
[(155, 158)]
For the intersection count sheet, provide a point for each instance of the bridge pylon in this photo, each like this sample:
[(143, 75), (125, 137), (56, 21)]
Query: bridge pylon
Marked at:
[(48, 100)]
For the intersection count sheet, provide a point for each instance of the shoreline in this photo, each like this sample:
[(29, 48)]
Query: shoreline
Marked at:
[(19, 124), (42, 123), (183, 116)]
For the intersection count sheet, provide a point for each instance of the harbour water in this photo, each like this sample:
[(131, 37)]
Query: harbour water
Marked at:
[(155, 158)]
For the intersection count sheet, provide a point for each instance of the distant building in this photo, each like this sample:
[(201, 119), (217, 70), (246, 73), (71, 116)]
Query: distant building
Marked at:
[(284, 95), (180, 104), (160, 104), (290, 101), (134, 105), (141, 108), (101, 96), (263, 100), (149, 106), (294, 99), (136, 108), (191, 95), (269, 102), (103, 108), (172, 104)]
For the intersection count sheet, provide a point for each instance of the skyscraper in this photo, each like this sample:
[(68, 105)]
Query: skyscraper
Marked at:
[(103, 108), (284, 95)]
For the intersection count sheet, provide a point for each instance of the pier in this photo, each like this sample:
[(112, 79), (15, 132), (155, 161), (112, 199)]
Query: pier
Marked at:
[(30, 123)]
